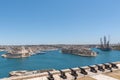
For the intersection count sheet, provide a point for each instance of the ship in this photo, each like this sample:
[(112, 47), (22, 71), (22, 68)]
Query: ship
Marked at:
[(105, 45)]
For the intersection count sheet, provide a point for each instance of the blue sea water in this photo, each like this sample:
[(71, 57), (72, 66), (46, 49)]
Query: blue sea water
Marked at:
[(54, 59)]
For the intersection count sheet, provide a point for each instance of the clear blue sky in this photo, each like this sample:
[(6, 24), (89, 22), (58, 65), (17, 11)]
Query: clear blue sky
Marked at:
[(58, 21)]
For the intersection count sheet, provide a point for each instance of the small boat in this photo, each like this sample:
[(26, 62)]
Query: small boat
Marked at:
[(40, 52)]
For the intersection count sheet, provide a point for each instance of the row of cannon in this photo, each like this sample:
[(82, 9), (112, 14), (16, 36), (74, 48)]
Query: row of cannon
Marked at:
[(83, 71)]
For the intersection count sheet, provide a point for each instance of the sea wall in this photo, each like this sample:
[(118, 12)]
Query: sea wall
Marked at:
[(57, 72)]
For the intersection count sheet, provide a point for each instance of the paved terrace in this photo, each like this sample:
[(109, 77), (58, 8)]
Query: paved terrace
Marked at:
[(99, 75)]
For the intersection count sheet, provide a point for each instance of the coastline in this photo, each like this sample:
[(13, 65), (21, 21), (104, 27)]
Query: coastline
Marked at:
[(81, 52), (69, 60)]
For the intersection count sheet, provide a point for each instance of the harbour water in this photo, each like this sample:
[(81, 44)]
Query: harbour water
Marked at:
[(54, 59)]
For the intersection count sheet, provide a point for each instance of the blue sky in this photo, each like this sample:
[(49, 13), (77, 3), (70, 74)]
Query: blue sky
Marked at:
[(58, 21)]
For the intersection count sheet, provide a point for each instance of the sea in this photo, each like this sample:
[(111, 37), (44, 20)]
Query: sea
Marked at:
[(55, 60)]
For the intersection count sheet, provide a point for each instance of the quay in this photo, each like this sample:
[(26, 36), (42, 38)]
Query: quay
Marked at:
[(104, 71)]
